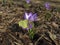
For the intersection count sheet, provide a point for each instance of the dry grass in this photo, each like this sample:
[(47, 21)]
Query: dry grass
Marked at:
[(47, 32)]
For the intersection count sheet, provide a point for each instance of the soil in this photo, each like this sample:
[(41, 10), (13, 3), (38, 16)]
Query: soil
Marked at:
[(47, 28)]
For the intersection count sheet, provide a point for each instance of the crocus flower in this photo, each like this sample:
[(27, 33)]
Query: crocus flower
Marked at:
[(47, 5), (30, 16), (28, 1)]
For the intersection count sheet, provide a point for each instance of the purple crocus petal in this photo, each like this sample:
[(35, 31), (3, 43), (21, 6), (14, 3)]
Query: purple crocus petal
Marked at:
[(30, 26), (28, 1), (25, 28), (47, 5), (30, 16), (33, 17), (30, 13), (26, 16)]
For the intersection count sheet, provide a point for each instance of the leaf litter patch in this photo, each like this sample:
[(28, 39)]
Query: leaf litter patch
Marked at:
[(21, 33)]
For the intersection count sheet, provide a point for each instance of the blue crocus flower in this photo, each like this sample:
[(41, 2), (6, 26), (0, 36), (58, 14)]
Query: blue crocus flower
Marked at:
[(30, 16), (28, 1), (47, 5)]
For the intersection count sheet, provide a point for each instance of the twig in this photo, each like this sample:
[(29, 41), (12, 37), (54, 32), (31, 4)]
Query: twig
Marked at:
[(15, 38), (38, 40)]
